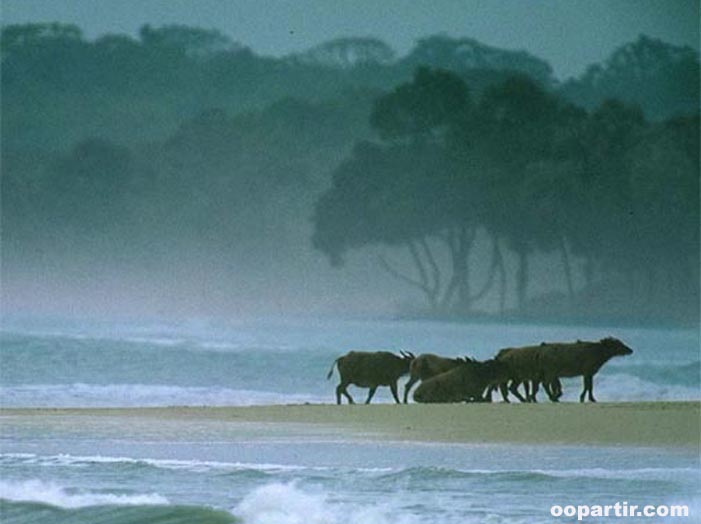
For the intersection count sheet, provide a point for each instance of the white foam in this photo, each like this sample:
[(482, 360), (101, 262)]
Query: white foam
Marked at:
[(153, 341), (287, 504), (55, 495), (65, 460), (190, 465)]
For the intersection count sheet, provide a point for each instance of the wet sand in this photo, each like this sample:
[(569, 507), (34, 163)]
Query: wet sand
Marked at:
[(675, 424)]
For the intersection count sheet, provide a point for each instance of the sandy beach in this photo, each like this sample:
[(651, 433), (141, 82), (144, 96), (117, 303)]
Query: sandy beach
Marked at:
[(674, 424)]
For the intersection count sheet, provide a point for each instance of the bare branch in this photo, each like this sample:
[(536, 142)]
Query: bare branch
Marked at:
[(435, 270), (449, 238), (400, 276), (502, 276), (415, 255), (496, 255)]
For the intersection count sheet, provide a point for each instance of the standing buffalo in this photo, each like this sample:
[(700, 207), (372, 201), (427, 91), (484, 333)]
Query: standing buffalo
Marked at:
[(370, 370), (549, 362), (427, 366), (578, 359), (523, 367), (465, 382)]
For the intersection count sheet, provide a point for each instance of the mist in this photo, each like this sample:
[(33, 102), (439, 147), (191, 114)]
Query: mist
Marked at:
[(173, 171)]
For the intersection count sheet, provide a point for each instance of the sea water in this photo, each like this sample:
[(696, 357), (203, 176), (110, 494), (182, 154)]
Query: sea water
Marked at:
[(68, 469)]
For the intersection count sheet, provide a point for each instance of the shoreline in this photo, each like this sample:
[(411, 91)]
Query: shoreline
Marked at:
[(659, 424)]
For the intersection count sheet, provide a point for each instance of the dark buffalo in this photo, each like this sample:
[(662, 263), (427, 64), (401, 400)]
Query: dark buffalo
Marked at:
[(427, 366), (578, 359), (370, 370), (464, 383)]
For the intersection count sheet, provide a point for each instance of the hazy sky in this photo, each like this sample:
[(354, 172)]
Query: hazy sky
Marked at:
[(570, 34)]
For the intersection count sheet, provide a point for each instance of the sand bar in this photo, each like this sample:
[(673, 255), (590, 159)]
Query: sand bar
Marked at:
[(675, 424)]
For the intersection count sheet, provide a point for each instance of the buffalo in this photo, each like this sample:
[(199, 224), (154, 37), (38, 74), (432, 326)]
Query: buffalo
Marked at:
[(463, 383), (370, 370), (579, 359), (549, 362), (427, 366), (525, 368)]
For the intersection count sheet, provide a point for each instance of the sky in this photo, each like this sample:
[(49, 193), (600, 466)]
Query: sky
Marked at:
[(570, 34)]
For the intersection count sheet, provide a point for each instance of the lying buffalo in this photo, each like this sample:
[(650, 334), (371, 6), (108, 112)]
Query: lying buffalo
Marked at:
[(427, 366), (578, 359), (370, 370), (465, 382)]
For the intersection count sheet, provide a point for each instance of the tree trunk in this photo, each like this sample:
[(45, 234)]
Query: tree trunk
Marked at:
[(459, 241), (462, 269), (502, 277), (430, 286), (567, 267), (493, 269), (522, 279), (588, 271)]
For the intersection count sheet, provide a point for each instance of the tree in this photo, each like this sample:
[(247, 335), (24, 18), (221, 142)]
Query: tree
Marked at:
[(404, 191), (423, 109), (661, 78), (349, 52), (379, 196), (191, 41), (516, 128), (87, 198), (463, 54)]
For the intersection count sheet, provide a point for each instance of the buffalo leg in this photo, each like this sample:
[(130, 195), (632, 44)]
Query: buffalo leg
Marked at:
[(589, 385), (504, 392), (342, 389), (371, 394), (556, 387), (412, 381), (513, 388), (584, 390), (550, 389), (486, 395), (393, 387)]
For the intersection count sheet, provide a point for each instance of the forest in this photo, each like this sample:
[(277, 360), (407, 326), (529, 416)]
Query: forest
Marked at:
[(180, 170)]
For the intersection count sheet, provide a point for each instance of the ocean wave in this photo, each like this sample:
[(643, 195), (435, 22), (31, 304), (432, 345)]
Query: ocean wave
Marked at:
[(684, 373), (176, 341), (384, 473), (141, 395), (33, 512), (427, 474), (52, 494), (288, 504), (171, 464), (621, 386)]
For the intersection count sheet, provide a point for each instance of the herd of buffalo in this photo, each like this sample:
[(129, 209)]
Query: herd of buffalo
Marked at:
[(466, 380)]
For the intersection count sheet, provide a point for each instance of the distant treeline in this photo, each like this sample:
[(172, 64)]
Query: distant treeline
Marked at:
[(143, 152), (604, 189)]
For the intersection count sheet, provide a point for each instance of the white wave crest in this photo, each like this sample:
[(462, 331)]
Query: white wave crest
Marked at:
[(287, 504), (140, 395), (55, 495), (66, 460), (174, 464), (622, 474)]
